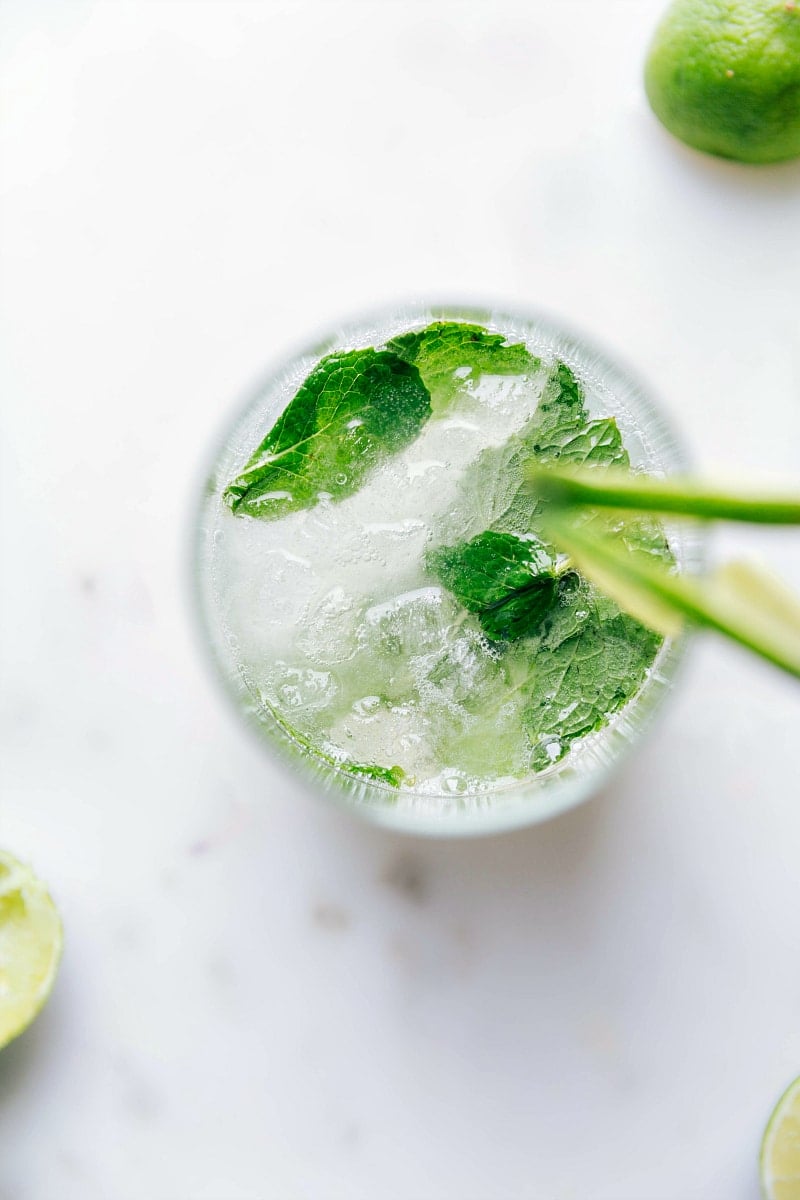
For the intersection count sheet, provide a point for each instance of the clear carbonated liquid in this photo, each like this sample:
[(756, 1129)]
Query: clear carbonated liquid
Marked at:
[(331, 619)]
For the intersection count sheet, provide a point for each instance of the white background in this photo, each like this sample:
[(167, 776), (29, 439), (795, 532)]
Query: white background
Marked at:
[(262, 999)]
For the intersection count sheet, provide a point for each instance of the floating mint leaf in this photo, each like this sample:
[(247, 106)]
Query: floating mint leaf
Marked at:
[(508, 581), (560, 412), (562, 429), (394, 776), (496, 488), (592, 659), (585, 662), (352, 410), (453, 354)]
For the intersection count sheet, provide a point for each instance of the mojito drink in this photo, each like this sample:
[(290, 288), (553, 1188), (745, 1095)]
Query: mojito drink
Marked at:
[(376, 577)]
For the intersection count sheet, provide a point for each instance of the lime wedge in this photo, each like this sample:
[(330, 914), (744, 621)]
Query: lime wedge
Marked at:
[(780, 1149), (30, 946)]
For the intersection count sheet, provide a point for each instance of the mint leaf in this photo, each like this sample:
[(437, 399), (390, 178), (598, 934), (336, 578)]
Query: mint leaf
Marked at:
[(451, 355), (560, 412), (507, 581), (590, 660), (394, 776), (354, 408), (561, 429), (585, 661)]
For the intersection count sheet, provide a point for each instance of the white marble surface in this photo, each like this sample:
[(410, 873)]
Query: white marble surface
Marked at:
[(262, 999)]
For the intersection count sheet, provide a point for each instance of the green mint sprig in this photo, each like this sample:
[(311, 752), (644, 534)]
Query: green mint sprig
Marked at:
[(570, 656), (357, 408), (740, 601)]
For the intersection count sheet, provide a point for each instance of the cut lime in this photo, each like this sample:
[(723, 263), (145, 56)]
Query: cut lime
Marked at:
[(30, 946), (780, 1149)]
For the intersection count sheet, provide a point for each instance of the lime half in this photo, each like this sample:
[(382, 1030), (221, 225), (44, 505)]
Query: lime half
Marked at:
[(30, 946), (780, 1149)]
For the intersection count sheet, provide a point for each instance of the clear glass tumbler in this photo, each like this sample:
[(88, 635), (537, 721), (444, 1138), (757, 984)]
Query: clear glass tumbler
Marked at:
[(652, 445)]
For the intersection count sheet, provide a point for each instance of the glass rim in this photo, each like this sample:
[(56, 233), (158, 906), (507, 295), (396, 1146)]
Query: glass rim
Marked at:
[(540, 796)]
